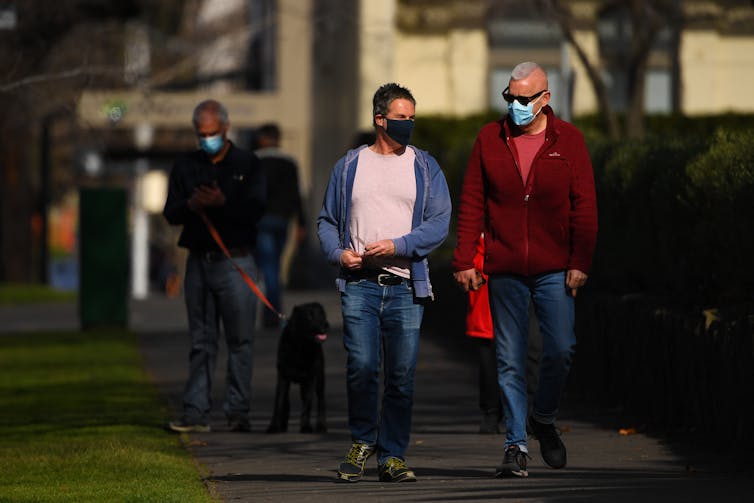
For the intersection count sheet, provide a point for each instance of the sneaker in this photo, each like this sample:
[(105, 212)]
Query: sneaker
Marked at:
[(395, 470), (239, 424), (186, 425), (514, 463), (550, 446), (352, 469)]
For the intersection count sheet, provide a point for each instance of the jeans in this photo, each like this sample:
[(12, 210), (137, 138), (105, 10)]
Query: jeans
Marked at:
[(554, 308), (380, 321), (215, 291), (272, 233)]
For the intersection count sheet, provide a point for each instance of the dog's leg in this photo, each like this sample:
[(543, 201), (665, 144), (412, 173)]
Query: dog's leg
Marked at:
[(279, 422), (307, 397)]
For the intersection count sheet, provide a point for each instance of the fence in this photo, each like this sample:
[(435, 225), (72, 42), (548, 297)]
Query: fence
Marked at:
[(675, 370)]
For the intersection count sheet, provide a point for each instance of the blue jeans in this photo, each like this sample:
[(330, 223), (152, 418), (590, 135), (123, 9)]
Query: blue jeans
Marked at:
[(554, 307), (381, 320), (215, 291), (272, 233)]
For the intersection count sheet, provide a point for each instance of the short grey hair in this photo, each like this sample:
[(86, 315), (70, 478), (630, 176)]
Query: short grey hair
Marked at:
[(523, 70), (212, 106)]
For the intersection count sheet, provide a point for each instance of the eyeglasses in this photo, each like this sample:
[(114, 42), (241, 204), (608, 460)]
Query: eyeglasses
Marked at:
[(524, 100)]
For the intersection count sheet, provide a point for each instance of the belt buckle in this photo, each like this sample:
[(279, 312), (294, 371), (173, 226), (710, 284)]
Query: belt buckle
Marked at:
[(381, 277)]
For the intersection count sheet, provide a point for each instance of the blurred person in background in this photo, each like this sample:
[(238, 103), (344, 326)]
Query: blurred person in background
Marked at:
[(283, 204)]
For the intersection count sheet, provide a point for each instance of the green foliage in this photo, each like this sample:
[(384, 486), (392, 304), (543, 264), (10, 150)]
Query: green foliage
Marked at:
[(721, 189), (81, 422), (676, 216)]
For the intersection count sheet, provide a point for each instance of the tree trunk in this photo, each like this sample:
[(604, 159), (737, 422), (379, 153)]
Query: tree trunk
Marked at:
[(598, 85), (16, 209)]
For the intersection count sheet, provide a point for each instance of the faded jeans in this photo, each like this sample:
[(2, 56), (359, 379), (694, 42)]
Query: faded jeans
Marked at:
[(215, 291), (381, 320), (554, 307)]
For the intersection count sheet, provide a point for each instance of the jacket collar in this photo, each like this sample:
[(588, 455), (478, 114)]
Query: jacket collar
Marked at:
[(550, 128)]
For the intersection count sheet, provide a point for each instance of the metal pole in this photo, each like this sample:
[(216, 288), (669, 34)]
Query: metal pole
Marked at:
[(140, 240)]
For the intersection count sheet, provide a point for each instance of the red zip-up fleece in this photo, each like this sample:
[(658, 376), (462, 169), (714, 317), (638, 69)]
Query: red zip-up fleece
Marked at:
[(545, 223)]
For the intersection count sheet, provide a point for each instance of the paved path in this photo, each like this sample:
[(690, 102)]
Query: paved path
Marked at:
[(452, 461)]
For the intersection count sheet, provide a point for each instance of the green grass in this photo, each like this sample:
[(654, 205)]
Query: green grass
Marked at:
[(16, 293), (81, 422)]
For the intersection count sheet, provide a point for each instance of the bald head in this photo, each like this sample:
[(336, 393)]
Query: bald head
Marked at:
[(531, 72)]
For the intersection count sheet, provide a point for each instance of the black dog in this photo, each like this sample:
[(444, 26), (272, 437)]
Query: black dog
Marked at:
[(301, 360)]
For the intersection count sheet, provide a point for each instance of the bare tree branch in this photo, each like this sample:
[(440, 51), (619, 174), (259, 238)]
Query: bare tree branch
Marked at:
[(563, 17)]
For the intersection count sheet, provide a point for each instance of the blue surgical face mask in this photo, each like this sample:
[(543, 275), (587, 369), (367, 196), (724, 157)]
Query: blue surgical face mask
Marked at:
[(212, 144), (400, 130), (521, 115)]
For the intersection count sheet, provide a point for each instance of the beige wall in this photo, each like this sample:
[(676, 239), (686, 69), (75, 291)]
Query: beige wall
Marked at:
[(717, 72), (447, 73), (376, 52)]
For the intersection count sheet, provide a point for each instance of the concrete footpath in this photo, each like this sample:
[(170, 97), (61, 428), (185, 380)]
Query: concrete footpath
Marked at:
[(452, 461)]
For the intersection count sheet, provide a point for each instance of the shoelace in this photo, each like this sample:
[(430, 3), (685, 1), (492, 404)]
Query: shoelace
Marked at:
[(395, 464), (358, 454)]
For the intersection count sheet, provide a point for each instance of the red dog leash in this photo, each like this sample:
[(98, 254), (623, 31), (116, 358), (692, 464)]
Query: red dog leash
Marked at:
[(246, 278)]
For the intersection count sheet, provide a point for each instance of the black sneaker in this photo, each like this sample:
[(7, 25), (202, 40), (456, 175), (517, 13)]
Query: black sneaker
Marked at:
[(395, 470), (550, 446), (352, 469), (239, 424), (514, 463), (186, 425)]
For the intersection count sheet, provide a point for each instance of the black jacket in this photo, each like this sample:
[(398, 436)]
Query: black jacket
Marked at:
[(281, 176), (241, 180)]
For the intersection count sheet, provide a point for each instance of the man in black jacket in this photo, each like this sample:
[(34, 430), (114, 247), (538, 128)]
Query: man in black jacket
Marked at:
[(226, 184)]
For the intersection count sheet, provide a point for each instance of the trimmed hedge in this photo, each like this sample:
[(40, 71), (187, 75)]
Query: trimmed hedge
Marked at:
[(676, 217)]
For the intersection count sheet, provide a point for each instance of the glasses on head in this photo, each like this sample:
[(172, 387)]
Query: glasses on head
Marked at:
[(524, 100)]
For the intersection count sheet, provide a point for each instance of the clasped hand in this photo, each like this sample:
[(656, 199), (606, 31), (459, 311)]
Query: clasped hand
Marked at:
[(353, 261), (470, 279), (206, 196)]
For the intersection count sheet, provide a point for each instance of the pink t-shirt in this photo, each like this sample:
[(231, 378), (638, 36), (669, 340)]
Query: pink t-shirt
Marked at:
[(527, 146), (382, 204)]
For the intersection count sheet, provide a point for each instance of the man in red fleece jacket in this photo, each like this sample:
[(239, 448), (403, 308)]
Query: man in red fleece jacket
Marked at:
[(529, 187)]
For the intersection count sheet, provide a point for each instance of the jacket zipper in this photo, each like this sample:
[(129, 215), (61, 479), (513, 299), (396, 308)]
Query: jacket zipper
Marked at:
[(526, 204)]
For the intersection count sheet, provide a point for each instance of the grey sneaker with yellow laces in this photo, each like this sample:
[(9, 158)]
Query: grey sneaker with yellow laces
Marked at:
[(352, 469)]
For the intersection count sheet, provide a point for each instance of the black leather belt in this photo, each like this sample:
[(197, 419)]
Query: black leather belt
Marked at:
[(216, 256), (380, 277)]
